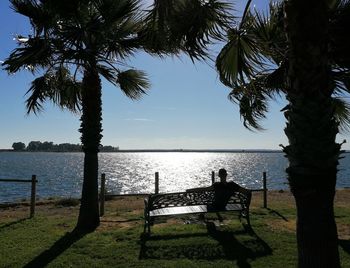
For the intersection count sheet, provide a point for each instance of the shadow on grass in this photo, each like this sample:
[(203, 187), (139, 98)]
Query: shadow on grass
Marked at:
[(121, 221), (198, 246), (6, 225), (277, 213), (345, 244), (56, 249)]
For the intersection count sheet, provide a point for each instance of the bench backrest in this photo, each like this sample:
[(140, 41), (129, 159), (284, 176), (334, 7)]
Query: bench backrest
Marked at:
[(182, 199)]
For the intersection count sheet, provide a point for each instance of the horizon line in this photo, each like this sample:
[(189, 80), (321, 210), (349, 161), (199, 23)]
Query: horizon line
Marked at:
[(182, 150), (177, 150)]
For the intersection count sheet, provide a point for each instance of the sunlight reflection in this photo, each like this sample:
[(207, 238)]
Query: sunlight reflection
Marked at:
[(178, 171)]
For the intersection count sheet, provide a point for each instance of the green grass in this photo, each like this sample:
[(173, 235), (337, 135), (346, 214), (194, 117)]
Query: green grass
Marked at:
[(67, 202), (46, 239)]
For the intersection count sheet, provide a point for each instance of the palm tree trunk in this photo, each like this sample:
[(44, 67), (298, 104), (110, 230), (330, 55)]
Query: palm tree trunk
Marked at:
[(91, 129), (311, 130), (313, 156)]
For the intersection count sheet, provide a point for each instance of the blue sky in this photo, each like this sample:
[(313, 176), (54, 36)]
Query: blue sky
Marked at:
[(186, 107)]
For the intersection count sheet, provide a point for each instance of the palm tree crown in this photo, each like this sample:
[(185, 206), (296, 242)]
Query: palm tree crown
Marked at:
[(254, 62), (70, 36)]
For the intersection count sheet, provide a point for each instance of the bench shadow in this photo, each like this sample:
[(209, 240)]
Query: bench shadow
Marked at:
[(56, 249), (345, 244), (228, 246)]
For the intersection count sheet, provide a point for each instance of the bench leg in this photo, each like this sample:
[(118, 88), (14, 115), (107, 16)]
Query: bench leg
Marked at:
[(248, 220), (147, 229), (245, 214), (147, 225), (219, 217)]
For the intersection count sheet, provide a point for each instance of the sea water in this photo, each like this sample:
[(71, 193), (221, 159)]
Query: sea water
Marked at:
[(61, 174)]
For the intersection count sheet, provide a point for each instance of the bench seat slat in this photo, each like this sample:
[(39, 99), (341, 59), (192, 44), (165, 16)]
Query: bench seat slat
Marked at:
[(190, 210), (177, 210)]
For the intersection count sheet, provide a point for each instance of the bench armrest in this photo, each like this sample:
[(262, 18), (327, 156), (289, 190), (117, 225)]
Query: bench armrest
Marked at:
[(246, 193)]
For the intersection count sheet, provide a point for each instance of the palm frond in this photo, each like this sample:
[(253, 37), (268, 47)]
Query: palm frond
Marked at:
[(65, 9), (56, 86), (342, 114), (275, 79), (112, 12), (37, 92), (122, 41), (253, 98), (341, 80), (39, 17), (185, 25), (258, 42), (339, 34), (156, 28), (268, 29), (133, 83), (109, 73), (197, 22), (252, 107), (36, 52), (239, 59), (253, 63)]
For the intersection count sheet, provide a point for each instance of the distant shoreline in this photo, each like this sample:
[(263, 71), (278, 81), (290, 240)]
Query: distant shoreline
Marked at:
[(160, 151), (165, 151), (199, 151)]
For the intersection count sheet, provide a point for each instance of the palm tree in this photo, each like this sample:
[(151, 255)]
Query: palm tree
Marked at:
[(76, 42), (298, 50)]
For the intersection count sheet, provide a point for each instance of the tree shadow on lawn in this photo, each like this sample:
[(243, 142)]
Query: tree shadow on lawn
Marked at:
[(228, 246), (6, 225), (56, 249)]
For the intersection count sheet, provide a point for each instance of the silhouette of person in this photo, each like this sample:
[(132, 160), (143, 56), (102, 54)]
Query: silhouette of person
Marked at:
[(222, 191)]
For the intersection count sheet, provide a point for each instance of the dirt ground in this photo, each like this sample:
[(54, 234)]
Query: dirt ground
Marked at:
[(342, 198)]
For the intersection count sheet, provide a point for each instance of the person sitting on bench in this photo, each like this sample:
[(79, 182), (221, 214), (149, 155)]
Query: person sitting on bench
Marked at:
[(222, 190)]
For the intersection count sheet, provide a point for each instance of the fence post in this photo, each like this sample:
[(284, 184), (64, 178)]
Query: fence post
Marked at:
[(265, 189), (32, 197), (212, 177), (156, 183), (102, 194)]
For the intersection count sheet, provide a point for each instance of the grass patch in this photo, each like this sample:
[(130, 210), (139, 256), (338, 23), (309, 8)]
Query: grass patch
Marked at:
[(48, 240), (67, 202)]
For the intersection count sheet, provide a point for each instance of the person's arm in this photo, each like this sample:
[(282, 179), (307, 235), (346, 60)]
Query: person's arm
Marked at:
[(200, 189), (234, 186)]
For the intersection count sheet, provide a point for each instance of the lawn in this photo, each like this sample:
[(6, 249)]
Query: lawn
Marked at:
[(175, 242)]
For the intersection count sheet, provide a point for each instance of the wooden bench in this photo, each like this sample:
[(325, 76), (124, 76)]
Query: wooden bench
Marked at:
[(170, 204)]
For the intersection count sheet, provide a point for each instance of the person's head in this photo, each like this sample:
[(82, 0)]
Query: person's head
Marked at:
[(222, 174)]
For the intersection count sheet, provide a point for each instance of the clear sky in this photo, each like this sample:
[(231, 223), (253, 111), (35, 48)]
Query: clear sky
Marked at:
[(186, 107)]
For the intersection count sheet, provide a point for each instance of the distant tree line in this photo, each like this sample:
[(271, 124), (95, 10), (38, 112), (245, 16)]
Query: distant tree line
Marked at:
[(49, 146)]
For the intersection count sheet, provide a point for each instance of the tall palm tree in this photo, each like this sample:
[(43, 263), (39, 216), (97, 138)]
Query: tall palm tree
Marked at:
[(298, 50), (75, 42)]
